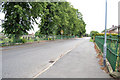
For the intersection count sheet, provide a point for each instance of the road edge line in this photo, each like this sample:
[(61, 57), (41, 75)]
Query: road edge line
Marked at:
[(38, 74)]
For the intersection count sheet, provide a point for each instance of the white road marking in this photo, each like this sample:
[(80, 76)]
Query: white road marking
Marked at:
[(51, 64)]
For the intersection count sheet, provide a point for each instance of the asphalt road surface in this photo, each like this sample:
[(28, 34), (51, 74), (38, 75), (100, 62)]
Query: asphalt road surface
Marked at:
[(81, 62), (34, 60)]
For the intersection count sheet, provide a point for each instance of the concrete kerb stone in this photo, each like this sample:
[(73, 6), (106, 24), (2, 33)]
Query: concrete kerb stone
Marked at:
[(107, 62)]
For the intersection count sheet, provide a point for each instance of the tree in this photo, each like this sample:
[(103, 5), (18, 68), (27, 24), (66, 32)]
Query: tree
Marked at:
[(93, 33), (19, 17), (47, 25), (62, 16), (55, 16)]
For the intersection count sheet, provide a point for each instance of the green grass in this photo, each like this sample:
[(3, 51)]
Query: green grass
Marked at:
[(31, 40), (1, 41), (91, 40)]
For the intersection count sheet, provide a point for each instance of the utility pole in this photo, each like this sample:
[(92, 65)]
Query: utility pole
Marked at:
[(105, 45), (118, 47), (119, 31)]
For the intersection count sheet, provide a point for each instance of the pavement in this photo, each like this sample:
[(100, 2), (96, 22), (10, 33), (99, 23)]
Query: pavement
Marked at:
[(0, 63), (73, 58)]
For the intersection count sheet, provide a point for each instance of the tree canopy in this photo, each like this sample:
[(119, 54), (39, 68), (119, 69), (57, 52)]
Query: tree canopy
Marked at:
[(61, 16), (55, 16)]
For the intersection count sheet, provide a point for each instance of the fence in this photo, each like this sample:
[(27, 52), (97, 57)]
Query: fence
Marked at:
[(12, 41), (113, 54)]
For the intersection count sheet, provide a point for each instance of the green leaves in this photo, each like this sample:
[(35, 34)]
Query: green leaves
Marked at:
[(93, 33), (18, 7), (55, 16), (61, 16), (17, 18)]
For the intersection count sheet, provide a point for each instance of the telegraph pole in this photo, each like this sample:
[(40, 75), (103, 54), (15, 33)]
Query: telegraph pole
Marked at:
[(118, 31), (105, 45)]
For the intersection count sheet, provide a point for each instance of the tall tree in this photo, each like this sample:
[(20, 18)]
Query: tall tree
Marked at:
[(55, 16), (19, 17), (48, 25)]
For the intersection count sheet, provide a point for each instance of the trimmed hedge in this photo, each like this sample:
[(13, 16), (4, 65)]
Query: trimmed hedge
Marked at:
[(108, 34), (102, 34)]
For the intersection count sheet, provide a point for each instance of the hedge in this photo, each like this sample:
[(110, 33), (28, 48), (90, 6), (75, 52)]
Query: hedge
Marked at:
[(108, 34)]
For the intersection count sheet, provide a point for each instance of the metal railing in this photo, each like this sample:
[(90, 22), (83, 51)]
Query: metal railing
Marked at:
[(12, 41), (113, 54)]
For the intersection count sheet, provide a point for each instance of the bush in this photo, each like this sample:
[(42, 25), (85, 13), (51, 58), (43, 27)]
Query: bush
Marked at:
[(23, 40), (17, 40), (93, 33), (35, 39)]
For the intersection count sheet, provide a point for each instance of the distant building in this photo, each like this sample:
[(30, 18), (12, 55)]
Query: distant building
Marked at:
[(2, 35), (29, 36), (113, 29)]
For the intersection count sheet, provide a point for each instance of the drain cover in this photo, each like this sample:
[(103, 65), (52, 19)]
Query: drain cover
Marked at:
[(51, 61)]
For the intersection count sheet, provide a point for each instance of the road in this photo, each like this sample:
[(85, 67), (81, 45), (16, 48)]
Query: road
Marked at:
[(81, 62), (34, 60)]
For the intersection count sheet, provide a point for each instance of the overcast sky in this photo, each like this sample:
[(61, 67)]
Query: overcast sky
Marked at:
[(93, 13)]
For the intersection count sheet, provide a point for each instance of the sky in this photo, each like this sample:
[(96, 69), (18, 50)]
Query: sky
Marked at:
[(93, 12)]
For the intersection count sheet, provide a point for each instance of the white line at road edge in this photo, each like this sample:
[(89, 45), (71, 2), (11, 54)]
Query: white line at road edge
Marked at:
[(38, 74)]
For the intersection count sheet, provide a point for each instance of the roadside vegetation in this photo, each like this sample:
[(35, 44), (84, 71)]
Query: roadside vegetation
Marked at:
[(93, 33), (56, 18), (91, 40)]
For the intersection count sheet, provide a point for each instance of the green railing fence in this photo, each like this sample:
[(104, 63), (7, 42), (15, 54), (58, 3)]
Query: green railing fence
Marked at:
[(113, 54), (12, 41)]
